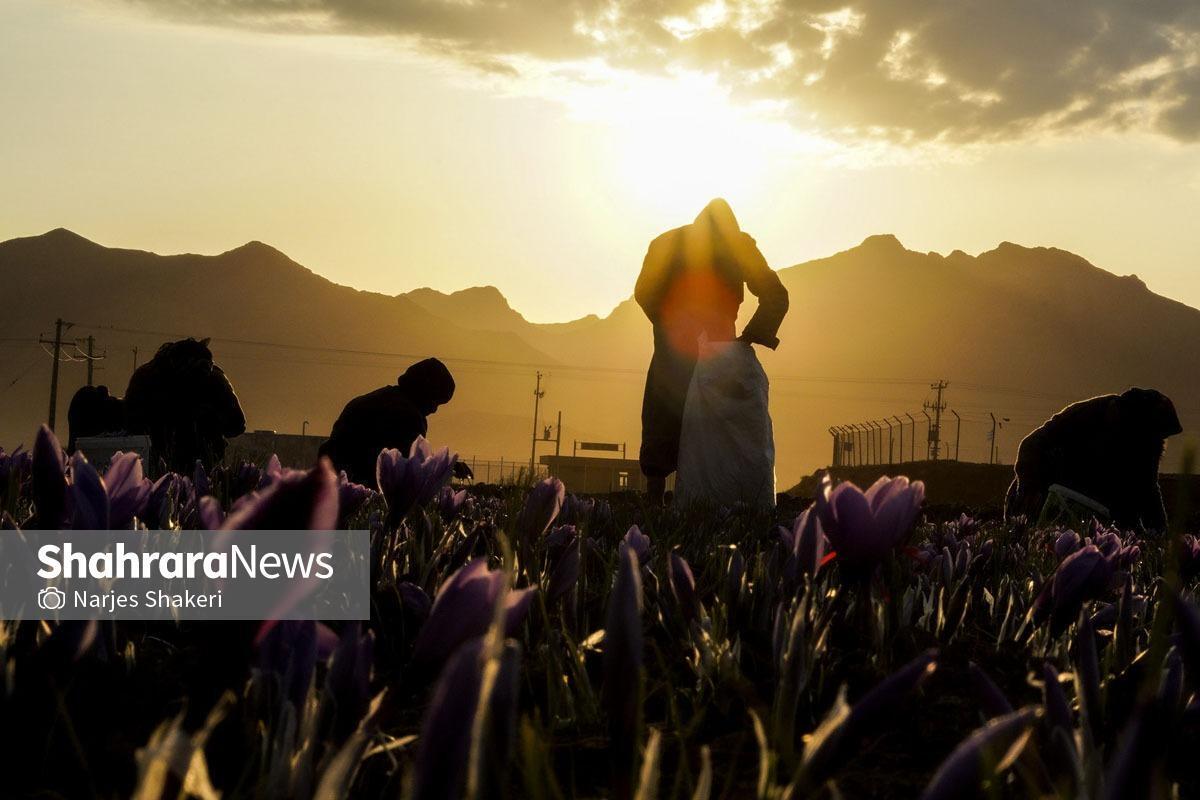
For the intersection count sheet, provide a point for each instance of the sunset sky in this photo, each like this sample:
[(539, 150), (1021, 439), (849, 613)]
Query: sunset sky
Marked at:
[(539, 146)]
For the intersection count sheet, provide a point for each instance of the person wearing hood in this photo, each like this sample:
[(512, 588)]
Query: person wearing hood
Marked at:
[(389, 417), (691, 286)]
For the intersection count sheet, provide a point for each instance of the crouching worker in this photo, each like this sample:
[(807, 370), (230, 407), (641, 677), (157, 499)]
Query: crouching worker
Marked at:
[(184, 402), (1108, 449), (389, 417)]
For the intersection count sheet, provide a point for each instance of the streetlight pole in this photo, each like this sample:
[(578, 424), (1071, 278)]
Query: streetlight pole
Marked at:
[(929, 436)]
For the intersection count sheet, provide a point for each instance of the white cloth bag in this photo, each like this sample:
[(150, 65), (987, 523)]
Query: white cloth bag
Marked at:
[(726, 446)]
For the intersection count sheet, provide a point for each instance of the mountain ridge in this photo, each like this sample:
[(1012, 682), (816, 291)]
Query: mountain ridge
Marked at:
[(869, 327)]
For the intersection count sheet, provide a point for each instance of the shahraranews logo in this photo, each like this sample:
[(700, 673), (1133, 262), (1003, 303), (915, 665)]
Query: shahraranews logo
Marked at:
[(239, 562)]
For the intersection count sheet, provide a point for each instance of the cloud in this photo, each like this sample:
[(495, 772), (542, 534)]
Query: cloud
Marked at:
[(903, 71)]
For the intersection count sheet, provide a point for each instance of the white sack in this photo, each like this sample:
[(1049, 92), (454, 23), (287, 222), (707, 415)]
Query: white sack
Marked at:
[(726, 447)]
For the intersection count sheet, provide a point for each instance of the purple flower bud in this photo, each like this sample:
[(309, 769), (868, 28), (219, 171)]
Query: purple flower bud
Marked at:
[(128, 489), (444, 746), (891, 691), (683, 587), (450, 502), (637, 541), (993, 747), (463, 610), (991, 699), (414, 599), (1058, 713), (351, 497), (288, 650), (1066, 543), (1083, 575), (622, 689), (49, 481), (1187, 621), (808, 541), (88, 499), (209, 511), (541, 509), (565, 572), (349, 679)]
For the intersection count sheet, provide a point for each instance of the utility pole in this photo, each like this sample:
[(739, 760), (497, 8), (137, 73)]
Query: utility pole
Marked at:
[(994, 451), (558, 434), (59, 326), (935, 426), (135, 359), (912, 439), (538, 394)]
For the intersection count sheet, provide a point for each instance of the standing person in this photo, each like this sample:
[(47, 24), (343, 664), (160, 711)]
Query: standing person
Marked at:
[(692, 283), (187, 406), (389, 417)]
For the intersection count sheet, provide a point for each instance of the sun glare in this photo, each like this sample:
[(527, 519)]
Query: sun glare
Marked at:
[(679, 141)]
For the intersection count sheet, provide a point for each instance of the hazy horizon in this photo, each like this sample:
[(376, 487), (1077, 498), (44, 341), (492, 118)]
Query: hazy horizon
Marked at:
[(540, 153)]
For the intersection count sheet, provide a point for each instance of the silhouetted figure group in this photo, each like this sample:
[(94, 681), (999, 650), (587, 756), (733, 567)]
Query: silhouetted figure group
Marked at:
[(1107, 448), (691, 286), (180, 398)]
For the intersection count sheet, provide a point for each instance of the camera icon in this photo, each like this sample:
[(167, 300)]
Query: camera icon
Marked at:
[(51, 598)]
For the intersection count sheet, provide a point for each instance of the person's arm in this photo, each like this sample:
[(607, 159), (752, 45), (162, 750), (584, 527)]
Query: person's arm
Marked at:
[(763, 282), (655, 277)]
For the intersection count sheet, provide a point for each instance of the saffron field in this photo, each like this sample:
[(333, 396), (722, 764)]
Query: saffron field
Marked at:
[(533, 643)]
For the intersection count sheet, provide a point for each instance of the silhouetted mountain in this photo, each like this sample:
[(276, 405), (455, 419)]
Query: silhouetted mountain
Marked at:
[(1017, 331)]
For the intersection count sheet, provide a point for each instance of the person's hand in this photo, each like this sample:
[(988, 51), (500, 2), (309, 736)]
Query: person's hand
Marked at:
[(746, 338)]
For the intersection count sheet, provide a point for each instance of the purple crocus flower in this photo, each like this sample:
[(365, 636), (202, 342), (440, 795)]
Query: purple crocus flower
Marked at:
[(444, 745), (301, 501), (823, 754), (991, 699), (210, 513), (413, 480), (351, 497), (683, 587), (1187, 621), (1083, 575), (14, 469), (288, 649), (1066, 543), (49, 480), (349, 678), (541, 509), (637, 541), (463, 610), (200, 480), (128, 489), (169, 494), (994, 746), (622, 689), (565, 572), (88, 498), (1189, 558), (865, 527), (808, 543), (414, 599), (450, 503)]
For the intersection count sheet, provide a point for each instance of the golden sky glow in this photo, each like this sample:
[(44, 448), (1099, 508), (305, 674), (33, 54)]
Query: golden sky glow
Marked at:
[(544, 162)]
